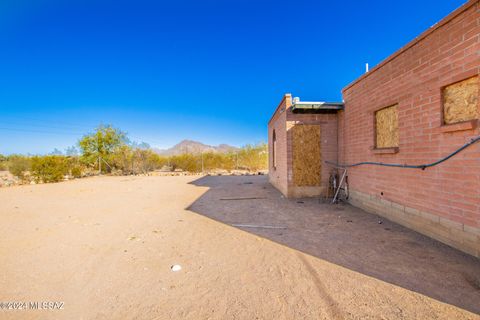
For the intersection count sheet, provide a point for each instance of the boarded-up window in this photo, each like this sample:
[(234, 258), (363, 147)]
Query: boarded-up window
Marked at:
[(307, 163), (460, 101), (386, 124)]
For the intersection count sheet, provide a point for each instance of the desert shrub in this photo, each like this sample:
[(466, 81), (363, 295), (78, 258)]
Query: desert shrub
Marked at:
[(145, 160), (253, 157), (3, 162), (186, 162), (19, 165), (136, 160), (74, 166), (159, 161), (122, 159), (212, 161), (250, 157), (76, 171), (49, 168)]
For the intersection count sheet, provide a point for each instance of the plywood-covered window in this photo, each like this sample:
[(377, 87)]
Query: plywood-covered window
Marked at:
[(460, 101), (386, 125), (307, 162)]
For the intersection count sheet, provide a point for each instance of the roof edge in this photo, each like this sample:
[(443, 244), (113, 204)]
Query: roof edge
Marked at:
[(412, 43), (285, 96), (309, 105)]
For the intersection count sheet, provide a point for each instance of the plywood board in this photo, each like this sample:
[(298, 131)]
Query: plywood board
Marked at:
[(307, 163), (386, 124), (460, 101)]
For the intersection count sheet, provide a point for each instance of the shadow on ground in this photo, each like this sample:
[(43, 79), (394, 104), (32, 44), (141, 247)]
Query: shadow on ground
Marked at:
[(346, 236)]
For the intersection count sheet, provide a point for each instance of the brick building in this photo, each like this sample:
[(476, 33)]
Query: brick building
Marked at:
[(416, 107), (301, 136)]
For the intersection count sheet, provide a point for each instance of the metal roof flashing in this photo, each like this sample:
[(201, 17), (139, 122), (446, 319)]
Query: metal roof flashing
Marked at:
[(315, 106)]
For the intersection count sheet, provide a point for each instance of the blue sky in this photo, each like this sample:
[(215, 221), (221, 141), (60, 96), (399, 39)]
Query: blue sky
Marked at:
[(164, 71)]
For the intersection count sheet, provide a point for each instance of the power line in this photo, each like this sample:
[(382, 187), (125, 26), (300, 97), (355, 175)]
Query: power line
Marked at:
[(61, 126), (41, 131), (70, 133), (49, 126)]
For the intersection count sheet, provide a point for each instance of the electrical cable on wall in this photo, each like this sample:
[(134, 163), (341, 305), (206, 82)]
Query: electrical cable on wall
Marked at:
[(408, 166)]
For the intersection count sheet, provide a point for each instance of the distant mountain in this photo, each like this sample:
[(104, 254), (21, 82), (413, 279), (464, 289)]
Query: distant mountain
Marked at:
[(195, 147)]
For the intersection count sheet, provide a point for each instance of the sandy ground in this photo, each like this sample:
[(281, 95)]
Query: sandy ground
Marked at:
[(104, 247), (346, 236)]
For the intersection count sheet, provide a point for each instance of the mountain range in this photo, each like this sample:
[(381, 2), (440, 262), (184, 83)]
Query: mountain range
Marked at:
[(190, 146)]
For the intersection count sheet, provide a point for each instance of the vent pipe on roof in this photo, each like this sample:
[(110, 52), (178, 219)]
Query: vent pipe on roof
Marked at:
[(366, 67)]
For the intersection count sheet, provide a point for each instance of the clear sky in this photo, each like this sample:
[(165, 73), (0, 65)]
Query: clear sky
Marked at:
[(164, 71)]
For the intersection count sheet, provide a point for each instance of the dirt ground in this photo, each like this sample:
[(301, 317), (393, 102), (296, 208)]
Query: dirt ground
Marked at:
[(104, 248)]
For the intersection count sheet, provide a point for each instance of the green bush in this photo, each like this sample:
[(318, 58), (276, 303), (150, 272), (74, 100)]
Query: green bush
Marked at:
[(19, 165), (213, 160), (130, 160), (186, 162), (49, 168), (159, 161), (74, 166), (254, 157), (145, 160), (76, 172), (250, 157), (3, 162), (122, 159)]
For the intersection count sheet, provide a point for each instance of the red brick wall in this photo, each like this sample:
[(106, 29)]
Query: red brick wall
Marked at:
[(278, 122), (413, 78)]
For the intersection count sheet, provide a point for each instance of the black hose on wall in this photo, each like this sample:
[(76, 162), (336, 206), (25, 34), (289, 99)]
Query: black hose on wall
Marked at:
[(408, 166)]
